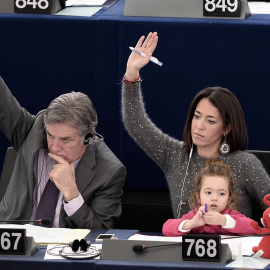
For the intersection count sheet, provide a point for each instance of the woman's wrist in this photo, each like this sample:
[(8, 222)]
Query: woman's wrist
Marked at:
[(132, 77), (131, 81)]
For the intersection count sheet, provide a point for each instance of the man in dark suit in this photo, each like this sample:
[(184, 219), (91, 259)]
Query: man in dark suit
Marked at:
[(60, 148)]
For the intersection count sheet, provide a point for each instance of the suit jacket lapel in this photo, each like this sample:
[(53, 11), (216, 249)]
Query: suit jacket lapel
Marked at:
[(84, 175)]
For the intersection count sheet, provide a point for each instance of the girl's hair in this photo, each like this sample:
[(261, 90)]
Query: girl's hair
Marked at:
[(215, 167)]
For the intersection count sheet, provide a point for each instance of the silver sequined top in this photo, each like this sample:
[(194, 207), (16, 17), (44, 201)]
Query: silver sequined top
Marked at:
[(171, 156)]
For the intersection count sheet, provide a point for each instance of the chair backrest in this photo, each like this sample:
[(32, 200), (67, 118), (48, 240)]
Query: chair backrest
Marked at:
[(264, 157), (7, 170)]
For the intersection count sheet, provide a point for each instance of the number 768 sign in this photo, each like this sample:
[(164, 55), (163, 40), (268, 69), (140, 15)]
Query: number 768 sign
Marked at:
[(201, 247)]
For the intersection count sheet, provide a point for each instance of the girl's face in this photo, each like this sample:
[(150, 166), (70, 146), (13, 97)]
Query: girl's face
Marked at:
[(207, 128), (214, 192)]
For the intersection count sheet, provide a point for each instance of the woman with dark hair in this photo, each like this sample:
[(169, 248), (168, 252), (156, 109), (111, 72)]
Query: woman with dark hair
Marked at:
[(215, 128), (231, 114)]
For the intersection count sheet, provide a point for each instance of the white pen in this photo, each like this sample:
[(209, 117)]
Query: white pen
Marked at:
[(152, 59)]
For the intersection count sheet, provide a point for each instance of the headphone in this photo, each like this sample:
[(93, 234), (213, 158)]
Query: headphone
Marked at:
[(91, 138), (88, 139), (82, 244), (80, 250)]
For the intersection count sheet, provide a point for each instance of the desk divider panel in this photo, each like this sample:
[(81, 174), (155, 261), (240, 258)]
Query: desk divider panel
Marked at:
[(122, 250), (174, 8), (7, 6)]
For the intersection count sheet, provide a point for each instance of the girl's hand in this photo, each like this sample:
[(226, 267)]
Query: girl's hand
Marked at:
[(136, 61), (198, 218), (214, 218), (196, 221)]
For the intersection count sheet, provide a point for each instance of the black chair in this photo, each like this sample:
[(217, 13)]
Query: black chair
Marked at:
[(145, 210), (7, 170), (264, 157)]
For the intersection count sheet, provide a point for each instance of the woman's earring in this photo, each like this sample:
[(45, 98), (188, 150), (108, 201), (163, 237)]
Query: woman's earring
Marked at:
[(224, 148)]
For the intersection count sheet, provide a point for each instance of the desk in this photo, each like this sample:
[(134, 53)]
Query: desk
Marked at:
[(43, 56), (37, 262)]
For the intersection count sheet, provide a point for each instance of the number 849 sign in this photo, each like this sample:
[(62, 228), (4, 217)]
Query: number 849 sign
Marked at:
[(32, 6), (222, 8)]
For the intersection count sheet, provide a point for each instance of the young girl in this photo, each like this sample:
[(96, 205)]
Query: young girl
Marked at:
[(213, 203)]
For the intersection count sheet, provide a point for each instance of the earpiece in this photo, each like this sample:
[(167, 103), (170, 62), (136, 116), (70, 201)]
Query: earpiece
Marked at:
[(88, 139), (82, 244), (191, 151), (179, 207)]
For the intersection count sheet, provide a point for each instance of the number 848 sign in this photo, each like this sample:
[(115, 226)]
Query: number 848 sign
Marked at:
[(222, 8), (32, 6)]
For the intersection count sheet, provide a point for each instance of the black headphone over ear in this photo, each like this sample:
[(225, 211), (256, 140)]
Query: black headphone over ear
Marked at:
[(88, 139), (76, 244), (81, 250)]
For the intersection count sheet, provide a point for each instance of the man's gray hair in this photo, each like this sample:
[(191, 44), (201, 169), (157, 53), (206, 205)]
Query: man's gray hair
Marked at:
[(74, 109)]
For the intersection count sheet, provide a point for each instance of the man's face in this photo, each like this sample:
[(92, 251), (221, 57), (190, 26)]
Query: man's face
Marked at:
[(65, 141)]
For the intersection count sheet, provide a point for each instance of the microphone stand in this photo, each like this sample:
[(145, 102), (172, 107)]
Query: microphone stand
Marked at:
[(43, 221)]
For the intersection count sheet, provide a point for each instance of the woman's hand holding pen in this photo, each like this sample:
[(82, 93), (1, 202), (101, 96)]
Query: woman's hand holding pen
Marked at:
[(136, 61)]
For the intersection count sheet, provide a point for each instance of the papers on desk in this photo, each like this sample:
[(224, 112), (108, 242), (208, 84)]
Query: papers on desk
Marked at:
[(84, 3), (78, 11), (42, 235), (259, 7), (85, 8), (247, 243), (250, 263), (155, 238)]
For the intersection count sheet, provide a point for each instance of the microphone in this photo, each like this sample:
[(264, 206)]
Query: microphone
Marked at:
[(43, 221), (139, 248)]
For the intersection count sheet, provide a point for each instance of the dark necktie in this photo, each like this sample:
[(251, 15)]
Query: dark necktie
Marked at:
[(48, 202)]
